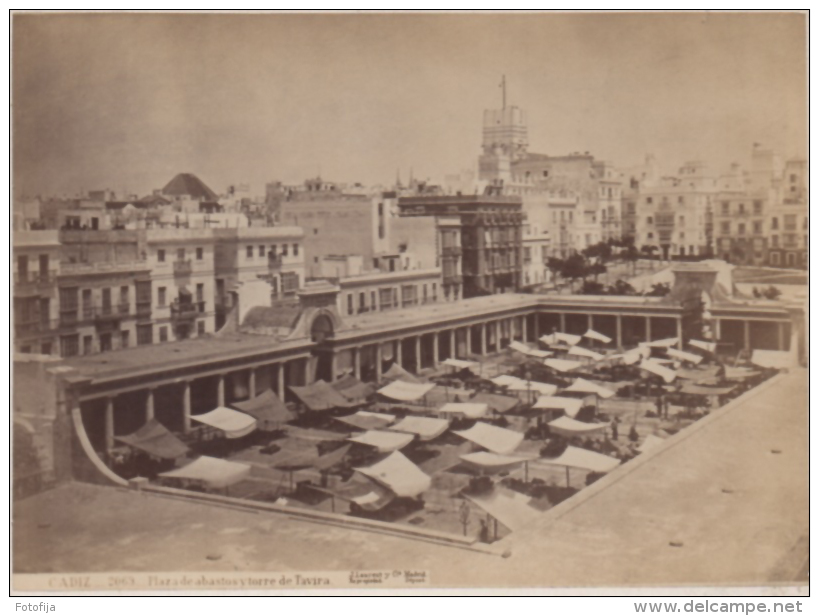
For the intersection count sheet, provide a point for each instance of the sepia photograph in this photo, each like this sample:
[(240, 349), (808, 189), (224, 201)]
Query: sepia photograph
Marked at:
[(407, 303)]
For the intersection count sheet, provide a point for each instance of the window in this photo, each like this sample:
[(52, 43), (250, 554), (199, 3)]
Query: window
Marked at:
[(284, 250), (372, 300), (161, 296), (45, 348), (249, 252), (105, 342), (145, 334), (200, 294), (741, 229), (106, 301), (681, 200), (290, 283), (273, 250), (295, 250), (649, 221), (350, 308), (741, 207), (774, 241), (200, 328), (545, 173), (163, 333), (682, 236), (362, 302), (69, 345), (774, 258), (261, 251), (649, 200), (125, 338), (200, 254), (180, 254), (160, 255), (571, 216), (774, 223), (87, 345), (757, 207), (650, 236), (793, 178), (726, 208), (434, 291), (385, 298), (757, 228), (790, 222), (725, 228)]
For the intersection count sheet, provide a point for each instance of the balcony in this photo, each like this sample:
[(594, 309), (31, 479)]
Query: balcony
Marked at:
[(143, 308), (452, 251), (33, 282), (182, 267), (274, 263), (108, 314), (29, 326)]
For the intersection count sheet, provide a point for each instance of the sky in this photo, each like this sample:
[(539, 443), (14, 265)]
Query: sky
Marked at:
[(126, 101)]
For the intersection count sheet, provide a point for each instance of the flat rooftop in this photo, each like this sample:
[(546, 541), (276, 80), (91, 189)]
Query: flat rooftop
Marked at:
[(737, 510)]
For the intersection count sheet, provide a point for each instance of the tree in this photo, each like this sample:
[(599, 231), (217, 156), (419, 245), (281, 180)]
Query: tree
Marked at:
[(659, 289), (555, 266), (592, 287), (595, 269), (770, 293), (574, 268), (631, 254), (621, 287), (648, 250)]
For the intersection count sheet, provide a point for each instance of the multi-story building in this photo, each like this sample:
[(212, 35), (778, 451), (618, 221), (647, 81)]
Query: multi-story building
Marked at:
[(787, 218), (36, 266), (490, 229), (336, 221), (536, 245), (255, 266), (740, 227)]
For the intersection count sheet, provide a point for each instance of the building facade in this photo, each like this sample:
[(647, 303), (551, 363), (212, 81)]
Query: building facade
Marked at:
[(35, 298)]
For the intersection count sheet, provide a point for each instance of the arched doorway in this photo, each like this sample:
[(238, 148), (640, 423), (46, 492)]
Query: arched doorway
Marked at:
[(321, 329)]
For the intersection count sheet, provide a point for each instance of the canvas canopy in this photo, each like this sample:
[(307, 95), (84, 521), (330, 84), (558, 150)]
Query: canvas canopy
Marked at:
[(505, 380), (494, 463), (510, 508), (233, 423), (353, 389), (214, 472), (383, 441), (459, 364), (566, 426), (426, 428), (651, 442), (570, 339), (570, 406), (629, 357), (579, 351), (702, 390), (576, 457), (406, 392), (665, 342), (293, 460), (267, 408), (526, 350), (773, 359), (562, 365), (493, 438), (367, 421), (496, 402), (396, 372), (548, 339), (738, 373), (399, 475), (653, 367), (470, 410), (544, 389), (684, 356), (593, 335), (156, 440), (582, 386), (320, 396), (705, 346)]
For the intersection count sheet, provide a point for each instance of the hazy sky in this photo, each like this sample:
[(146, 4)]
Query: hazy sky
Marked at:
[(127, 101)]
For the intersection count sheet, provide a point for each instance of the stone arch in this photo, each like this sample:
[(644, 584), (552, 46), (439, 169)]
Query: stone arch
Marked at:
[(322, 326)]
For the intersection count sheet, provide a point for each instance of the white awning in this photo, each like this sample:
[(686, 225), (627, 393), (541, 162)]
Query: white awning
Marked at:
[(365, 420), (460, 364), (426, 428), (629, 357), (215, 472), (406, 392), (705, 346), (665, 342), (510, 508), (684, 356), (493, 462), (582, 386), (664, 373), (576, 457), (493, 438), (566, 426), (233, 423), (579, 351), (562, 365), (651, 442), (526, 350), (548, 339), (544, 389), (570, 406), (505, 380), (569, 339), (470, 410), (399, 475), (733, 373), (383, 441), (593, 335)]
